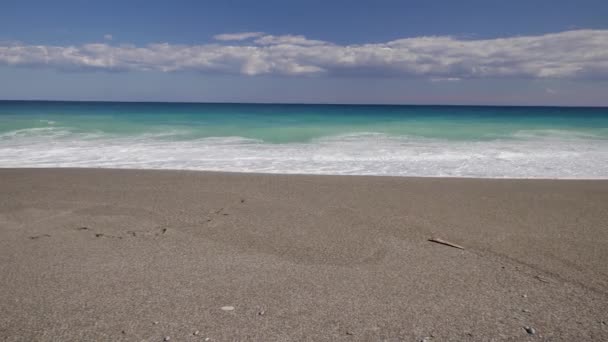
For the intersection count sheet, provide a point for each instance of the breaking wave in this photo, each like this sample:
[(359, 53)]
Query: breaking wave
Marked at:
[(526, 154)]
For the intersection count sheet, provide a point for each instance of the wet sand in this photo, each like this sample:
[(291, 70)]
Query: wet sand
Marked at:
[(131, 255)]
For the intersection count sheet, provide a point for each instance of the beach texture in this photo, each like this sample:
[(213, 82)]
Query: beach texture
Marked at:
[(133, 255)]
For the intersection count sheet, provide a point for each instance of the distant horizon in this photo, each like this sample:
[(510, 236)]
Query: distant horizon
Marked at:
[(308, 103)]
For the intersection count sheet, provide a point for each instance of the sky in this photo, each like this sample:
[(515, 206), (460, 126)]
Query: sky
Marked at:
[(516, 52)]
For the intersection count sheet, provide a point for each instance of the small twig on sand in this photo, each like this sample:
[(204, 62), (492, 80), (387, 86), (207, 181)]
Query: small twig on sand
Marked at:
[(447, 243)]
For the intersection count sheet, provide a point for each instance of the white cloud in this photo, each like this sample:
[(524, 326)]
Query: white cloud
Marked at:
[(445, 79), (287, 40), (237, 36), (108, 37), (570, 54)]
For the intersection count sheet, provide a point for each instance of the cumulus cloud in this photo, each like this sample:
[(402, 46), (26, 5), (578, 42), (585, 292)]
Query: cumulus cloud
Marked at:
[(237, 36), (444, 79), (108, 37), (569, 54), (288, 40)]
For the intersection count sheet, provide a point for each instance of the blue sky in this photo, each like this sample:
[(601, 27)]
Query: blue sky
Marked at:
[(461, 52)]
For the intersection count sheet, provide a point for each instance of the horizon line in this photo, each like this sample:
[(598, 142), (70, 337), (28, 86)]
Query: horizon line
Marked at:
[(307, 103)]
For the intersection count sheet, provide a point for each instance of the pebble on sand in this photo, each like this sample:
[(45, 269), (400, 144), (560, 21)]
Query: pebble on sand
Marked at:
[(227, 308), (530, 330), (167, 338), (196, 333)]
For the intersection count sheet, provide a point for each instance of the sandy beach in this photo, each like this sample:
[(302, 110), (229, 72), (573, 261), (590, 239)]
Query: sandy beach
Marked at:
[(132, 255)]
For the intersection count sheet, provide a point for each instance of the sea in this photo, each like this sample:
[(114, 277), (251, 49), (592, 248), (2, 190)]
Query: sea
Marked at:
[(380, 140)]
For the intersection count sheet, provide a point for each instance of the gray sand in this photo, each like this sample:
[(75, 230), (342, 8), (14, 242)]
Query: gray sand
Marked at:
[(101, 255)]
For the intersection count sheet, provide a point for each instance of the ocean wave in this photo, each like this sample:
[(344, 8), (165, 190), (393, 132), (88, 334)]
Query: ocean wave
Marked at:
[(365, 153), (47, 134), (560, 134), (50, 132)]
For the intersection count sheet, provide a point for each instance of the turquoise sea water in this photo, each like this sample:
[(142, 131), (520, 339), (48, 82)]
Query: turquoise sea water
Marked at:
[(529, 142)]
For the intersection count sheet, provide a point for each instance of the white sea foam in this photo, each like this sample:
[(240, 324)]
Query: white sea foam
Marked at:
[(553, 134), (530, 155)]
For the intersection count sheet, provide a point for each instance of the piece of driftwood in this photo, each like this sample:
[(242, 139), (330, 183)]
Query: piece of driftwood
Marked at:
[(447, 243)]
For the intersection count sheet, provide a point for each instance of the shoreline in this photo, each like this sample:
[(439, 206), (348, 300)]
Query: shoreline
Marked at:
[(133, 254), (247, 173)]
